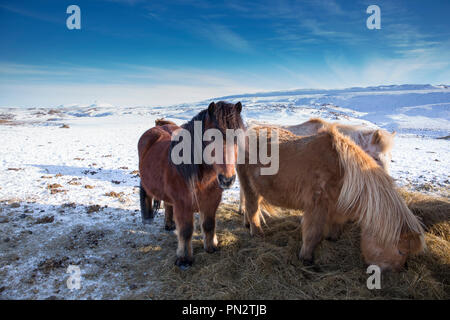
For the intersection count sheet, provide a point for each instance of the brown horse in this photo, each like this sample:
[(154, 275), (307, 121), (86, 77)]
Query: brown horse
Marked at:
[(333, 181), (190, 186)]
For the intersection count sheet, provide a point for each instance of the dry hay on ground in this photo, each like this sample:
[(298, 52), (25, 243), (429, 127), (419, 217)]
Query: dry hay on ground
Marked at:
[(269, 268)]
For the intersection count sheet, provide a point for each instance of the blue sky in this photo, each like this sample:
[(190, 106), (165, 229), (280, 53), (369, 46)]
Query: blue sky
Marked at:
[(136, 52)]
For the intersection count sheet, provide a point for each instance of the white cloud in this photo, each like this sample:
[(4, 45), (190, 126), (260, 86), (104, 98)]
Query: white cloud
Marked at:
[(35, 95), (419, 69), (125, 85)]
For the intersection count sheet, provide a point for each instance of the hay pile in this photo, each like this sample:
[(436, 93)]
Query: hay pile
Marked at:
[(269, 268)]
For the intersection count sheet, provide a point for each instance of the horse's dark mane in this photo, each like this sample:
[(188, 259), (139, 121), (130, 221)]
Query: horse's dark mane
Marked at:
[(225, 117)]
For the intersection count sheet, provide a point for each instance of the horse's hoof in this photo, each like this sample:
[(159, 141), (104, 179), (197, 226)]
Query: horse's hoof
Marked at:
[(256, 232), (211, 249), (183, 263), (307, 262), (147, 221), (169, 227)]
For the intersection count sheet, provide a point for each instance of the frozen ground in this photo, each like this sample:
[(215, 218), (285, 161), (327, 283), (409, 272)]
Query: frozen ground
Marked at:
[(68, 195)]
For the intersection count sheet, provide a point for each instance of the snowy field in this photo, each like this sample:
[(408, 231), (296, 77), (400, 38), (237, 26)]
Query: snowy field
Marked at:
[(68, 179)]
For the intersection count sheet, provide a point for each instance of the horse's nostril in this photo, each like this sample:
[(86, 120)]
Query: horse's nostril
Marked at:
[(226, 181)]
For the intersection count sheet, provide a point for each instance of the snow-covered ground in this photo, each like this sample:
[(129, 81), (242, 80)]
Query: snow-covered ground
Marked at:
[(50, 172)]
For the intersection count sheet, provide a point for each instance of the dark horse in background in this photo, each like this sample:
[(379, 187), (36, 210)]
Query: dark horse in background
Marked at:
[(188, 188)]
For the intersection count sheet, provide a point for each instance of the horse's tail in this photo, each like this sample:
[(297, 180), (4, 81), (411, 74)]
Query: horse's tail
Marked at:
[(267, 207), (370, 194), (148, 210)]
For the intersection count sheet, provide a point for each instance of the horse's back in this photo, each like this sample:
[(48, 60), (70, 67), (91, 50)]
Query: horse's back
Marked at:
[(154, 168), (162, 122), (307, 164), (307, 128), (169, 127), (154, 134)]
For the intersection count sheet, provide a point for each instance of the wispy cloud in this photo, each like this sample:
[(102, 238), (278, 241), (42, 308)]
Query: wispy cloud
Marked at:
[(378, 71), (31, 14), (223, 36), (126, 2)]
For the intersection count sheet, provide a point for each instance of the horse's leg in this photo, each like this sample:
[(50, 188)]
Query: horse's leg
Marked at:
[(156, 205), (250, 203), (146, 206), (184, 220), (335, 224), (334, 231), (313, 224), (241, 202), (252, 213), (208, 210), (169, 224)]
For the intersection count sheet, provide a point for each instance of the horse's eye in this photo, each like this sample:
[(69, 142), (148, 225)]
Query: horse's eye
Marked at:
[(401, 253)]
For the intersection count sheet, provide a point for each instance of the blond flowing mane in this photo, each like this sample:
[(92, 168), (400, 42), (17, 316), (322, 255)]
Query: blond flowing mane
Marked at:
[(371, 193)]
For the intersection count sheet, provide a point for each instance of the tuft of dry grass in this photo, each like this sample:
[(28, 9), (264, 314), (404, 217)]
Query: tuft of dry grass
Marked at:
[(114, 194), (269, 268), (433, 211), (9, 122)]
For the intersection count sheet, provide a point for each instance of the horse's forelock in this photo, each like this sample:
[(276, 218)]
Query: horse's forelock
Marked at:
[(226, 116), (383, 139)]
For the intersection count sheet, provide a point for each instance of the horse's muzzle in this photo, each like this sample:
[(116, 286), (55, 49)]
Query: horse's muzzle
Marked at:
[(224, 182)]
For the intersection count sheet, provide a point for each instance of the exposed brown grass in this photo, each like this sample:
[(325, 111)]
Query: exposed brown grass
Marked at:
[(8, 122), (114, 194), (54, 186), (269, 268)]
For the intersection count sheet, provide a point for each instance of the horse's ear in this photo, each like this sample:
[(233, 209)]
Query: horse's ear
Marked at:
[(376, 137), (394, 133), (238, 107), (211, 107)]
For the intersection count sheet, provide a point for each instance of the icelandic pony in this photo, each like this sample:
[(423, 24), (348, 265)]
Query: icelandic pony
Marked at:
[(377, 143), (333, 181), (186, 188)]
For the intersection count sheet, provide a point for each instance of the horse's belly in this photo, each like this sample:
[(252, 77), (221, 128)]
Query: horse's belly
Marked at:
[(277, 193), (153, 169)]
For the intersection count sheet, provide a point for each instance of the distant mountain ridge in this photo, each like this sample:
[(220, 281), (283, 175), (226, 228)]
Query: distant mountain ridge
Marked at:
[(381, 88)]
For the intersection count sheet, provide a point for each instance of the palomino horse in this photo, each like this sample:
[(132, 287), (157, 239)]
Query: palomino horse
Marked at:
[(190, 187), (377, 143), (333, 180)]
